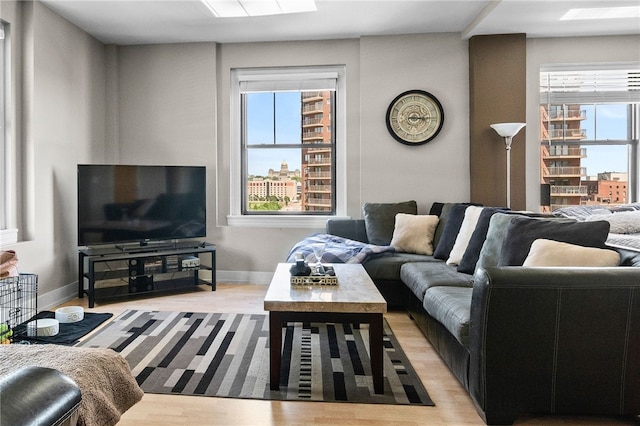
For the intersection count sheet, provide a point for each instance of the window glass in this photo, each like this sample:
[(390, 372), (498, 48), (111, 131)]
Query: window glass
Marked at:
[(289, 153), (5, 166), (588, 141)]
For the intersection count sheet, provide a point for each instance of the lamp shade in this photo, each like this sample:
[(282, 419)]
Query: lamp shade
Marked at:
[(507, 129)]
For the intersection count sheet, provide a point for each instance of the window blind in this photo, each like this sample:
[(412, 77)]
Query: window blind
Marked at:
[(575, 84), (288, 82)]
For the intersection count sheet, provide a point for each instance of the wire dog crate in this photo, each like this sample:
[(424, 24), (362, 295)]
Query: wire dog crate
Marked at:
[(18, 305)]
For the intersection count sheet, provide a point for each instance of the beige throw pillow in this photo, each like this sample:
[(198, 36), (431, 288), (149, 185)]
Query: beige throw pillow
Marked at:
[(414, 233), (555, 253)]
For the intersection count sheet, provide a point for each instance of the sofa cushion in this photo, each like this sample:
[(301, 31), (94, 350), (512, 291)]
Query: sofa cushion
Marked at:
[(380, 219), (451, 306), (471, 215), (492, 246), (498, 225), (444, 218), (388, 267), (420, 276), (450, 231), (414, 233), (625, 222), (470, 257), (555, 253), (523, 231)]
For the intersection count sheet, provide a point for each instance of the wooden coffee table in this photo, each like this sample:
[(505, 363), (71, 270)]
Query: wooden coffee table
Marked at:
[(355, 300)]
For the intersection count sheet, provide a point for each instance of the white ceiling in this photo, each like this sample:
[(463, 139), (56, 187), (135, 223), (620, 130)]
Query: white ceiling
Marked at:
[(161, 21)]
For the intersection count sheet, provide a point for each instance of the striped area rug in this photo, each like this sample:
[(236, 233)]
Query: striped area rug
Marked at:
[(227, 355)]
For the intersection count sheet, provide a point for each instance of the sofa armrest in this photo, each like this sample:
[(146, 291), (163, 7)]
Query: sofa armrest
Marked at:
[(38, 396), (555, 340), (352, 229)]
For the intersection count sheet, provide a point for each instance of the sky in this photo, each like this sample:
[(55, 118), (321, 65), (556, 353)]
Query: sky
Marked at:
[(260, 107), (609, 123)]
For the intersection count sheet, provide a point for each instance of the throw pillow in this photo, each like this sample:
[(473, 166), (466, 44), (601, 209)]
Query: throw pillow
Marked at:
[(436, 208), (471, 255), (380, 218), (625, 222), (444, 217), (554, 253), (414, 233), (450, 231), (523, 231), (471, 215), (498, 225)]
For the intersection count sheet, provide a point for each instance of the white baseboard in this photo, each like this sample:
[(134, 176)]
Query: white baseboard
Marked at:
[(48, 301)]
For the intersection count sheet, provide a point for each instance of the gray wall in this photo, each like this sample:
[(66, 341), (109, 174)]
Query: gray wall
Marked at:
[(58, 111), (168, 113), (85, 102)]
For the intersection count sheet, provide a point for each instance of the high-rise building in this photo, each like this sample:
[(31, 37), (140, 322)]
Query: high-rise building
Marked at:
[(561, 156), (316, 194)]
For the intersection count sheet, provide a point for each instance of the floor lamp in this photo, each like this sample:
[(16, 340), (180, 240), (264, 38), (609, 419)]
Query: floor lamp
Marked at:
[(508, 131)]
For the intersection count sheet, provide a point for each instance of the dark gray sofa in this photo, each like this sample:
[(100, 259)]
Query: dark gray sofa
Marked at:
[(523, 340), (39, 396)]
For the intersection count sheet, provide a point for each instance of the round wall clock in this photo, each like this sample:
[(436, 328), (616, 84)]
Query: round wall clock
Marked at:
[(414, 117)]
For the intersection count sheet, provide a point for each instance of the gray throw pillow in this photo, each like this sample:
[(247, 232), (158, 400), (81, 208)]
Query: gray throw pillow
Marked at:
[(492, 246), (450, 231), (523, 231), (444, 217), (380, 219), (472, 253)]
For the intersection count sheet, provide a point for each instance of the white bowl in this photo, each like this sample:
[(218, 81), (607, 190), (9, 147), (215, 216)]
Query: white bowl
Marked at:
[(43, 327), (69, 314)]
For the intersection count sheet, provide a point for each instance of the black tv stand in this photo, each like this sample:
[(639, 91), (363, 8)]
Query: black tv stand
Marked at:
[(139, 269)]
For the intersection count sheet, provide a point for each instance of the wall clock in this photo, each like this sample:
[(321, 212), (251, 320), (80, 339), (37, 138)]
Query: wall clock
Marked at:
[(414, 117)]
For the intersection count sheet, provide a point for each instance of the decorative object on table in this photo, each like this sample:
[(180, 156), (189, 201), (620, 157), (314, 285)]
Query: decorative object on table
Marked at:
[(8, 264), (415, 117), (317, 274), (325, 362), (69, 314), (508, 131)]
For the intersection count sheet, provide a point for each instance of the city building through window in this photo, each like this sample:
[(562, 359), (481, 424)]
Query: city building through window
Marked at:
[(589, 131)]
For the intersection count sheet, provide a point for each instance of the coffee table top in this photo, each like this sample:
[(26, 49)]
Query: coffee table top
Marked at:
[(355, 293)]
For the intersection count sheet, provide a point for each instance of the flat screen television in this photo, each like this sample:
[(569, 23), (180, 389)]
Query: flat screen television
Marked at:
[(128, 203)]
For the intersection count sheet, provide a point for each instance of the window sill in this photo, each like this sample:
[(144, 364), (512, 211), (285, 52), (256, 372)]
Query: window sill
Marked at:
[(281, 221), (8, 236)]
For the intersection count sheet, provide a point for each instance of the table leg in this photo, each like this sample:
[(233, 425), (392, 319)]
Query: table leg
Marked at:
[(275, 349), (377, 350)]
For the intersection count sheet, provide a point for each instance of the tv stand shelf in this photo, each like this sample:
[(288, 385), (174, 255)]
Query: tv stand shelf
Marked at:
[(143, 269)]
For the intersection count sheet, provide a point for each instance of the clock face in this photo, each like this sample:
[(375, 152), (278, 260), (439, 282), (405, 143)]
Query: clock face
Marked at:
[(414, 117)]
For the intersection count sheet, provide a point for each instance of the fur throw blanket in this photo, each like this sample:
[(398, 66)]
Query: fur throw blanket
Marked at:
[(336, 249), (103, 376)]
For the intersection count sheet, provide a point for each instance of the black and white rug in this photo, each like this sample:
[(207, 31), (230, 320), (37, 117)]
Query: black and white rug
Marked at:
[(227, 355)]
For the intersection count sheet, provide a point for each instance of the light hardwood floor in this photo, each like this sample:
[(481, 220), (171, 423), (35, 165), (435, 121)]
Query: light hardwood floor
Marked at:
[(453, 405)]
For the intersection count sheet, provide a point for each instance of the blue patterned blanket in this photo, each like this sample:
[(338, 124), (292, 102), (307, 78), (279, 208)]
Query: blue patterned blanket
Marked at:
[(336, 250)]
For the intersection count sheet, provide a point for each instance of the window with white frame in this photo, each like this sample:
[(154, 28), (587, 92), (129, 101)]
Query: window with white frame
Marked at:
[(287, 131), (8, 233), (589, 132)]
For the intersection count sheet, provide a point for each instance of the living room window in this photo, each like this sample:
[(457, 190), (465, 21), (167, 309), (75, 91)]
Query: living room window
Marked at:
[(590, 127), (288, 131), (8, 233)]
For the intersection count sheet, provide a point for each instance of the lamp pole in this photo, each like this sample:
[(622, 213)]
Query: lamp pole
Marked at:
[(508, 131)]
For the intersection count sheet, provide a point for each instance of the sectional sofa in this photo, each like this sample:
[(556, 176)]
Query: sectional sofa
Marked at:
[(532, 339)]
